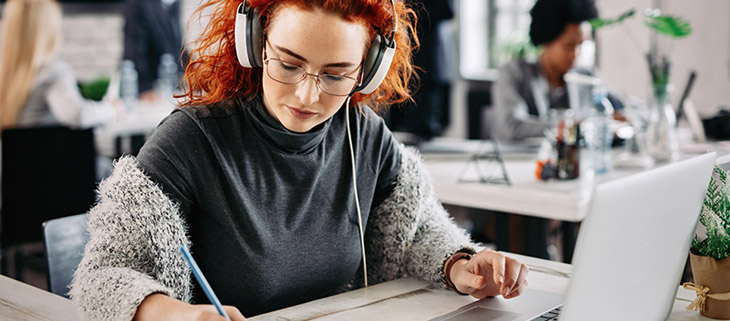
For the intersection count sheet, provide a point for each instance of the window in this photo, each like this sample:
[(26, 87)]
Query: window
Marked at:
[(491, 32), (487, 29)]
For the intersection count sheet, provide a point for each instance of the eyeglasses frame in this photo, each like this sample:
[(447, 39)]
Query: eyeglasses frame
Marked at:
[(307, 74)]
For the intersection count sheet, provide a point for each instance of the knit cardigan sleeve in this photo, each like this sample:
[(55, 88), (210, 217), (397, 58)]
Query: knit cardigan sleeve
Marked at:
[(410, 233), (133, 251)]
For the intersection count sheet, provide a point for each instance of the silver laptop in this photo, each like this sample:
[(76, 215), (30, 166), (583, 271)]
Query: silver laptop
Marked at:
[(630, 252)]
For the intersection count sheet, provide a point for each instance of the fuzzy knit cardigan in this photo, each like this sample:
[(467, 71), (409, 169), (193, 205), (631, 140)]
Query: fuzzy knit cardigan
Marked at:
[(136, 231)]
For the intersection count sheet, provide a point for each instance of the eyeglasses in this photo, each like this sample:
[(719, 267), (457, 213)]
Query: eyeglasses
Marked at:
[(290, 73)]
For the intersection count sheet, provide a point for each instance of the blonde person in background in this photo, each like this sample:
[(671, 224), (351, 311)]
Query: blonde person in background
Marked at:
[(37, 88)]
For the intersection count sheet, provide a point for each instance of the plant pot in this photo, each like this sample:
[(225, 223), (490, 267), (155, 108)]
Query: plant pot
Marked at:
[(714, 274)]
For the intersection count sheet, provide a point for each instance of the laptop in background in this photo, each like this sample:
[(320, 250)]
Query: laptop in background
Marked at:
[(630, 252)]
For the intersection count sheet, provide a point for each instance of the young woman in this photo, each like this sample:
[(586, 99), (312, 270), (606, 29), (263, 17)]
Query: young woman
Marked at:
[(527, 90), (36, 88), (282, 179)]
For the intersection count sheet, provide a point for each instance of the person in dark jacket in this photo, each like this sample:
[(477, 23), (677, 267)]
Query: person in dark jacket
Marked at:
[(152, 28)]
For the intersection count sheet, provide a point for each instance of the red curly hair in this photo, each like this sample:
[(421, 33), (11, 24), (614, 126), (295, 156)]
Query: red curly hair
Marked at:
[(214, 73)]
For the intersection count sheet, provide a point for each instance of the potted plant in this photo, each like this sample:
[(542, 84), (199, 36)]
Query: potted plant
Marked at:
[(94, 89), (710, 251), (662, 141), (673, 27)]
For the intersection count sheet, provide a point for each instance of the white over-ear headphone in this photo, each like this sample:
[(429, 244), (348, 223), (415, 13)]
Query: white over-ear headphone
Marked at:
[(249, 44)]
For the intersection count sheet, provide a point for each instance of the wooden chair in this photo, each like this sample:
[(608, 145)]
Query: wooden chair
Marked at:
[(64, 239)]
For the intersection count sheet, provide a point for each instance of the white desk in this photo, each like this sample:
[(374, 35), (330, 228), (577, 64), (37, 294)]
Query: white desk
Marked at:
[(143, 119), (403, 299), (559, 200), (410, 299), (140, 121)]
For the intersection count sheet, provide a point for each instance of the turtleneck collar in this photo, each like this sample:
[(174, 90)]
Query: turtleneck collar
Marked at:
[(281, 138)]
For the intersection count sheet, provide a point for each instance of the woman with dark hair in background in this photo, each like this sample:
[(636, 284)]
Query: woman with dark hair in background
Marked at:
[(526, 90), (152, 29)]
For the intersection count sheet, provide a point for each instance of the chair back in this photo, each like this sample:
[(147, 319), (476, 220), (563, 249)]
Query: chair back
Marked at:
[(65, 239), (47, 172)]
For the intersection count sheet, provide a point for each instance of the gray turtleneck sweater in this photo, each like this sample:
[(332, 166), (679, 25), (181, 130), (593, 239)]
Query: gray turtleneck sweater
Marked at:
[(268, 214), (270, 210)]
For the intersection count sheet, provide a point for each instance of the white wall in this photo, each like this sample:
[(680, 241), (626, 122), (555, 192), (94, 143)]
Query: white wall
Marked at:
[(92, 43), (707, 50), (93, 37)]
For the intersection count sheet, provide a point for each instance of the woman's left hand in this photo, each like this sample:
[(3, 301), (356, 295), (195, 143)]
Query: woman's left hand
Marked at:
[(489, 273)]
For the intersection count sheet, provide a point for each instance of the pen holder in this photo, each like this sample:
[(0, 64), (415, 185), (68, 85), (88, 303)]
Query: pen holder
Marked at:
[(563, 159)]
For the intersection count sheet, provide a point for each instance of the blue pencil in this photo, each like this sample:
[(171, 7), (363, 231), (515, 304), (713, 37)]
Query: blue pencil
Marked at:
[(203, 282)]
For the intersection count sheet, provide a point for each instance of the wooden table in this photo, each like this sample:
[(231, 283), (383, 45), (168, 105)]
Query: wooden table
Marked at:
[(394, 300), (23, 302), (411, 299)]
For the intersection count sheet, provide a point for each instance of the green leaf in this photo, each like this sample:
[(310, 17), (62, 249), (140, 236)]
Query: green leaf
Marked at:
[(671, 26), (598, 23), (715, 216)]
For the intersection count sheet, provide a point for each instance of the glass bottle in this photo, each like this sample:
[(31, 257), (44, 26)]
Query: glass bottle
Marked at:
[(128, 85), (167, 77), (596, 128)]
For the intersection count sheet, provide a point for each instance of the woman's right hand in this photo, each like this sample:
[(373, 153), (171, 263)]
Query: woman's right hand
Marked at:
[(158, 306)]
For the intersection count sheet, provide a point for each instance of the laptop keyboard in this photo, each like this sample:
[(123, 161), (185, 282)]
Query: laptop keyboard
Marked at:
[(549, 316)]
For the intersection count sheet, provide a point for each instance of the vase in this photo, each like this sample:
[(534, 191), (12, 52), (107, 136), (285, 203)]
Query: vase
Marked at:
[(715, 275), (662, 141)]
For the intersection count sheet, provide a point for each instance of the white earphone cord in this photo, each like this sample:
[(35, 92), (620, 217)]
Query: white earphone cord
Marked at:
[(354, 172), (357, 199)]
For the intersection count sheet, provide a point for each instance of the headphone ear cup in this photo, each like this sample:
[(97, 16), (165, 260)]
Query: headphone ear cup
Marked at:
[(371, 58), (248, 37), (377, 63)]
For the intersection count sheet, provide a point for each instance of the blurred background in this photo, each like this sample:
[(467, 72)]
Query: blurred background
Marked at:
[(473, 44), (464, 44), (617, 52)]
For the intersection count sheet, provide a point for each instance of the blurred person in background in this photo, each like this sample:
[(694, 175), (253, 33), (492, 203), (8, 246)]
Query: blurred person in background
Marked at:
[(526, 90), (151, 29), (36, 87), (428, 114)]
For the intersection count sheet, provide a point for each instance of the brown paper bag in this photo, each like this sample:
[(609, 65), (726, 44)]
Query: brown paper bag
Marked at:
[(715, 275)]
